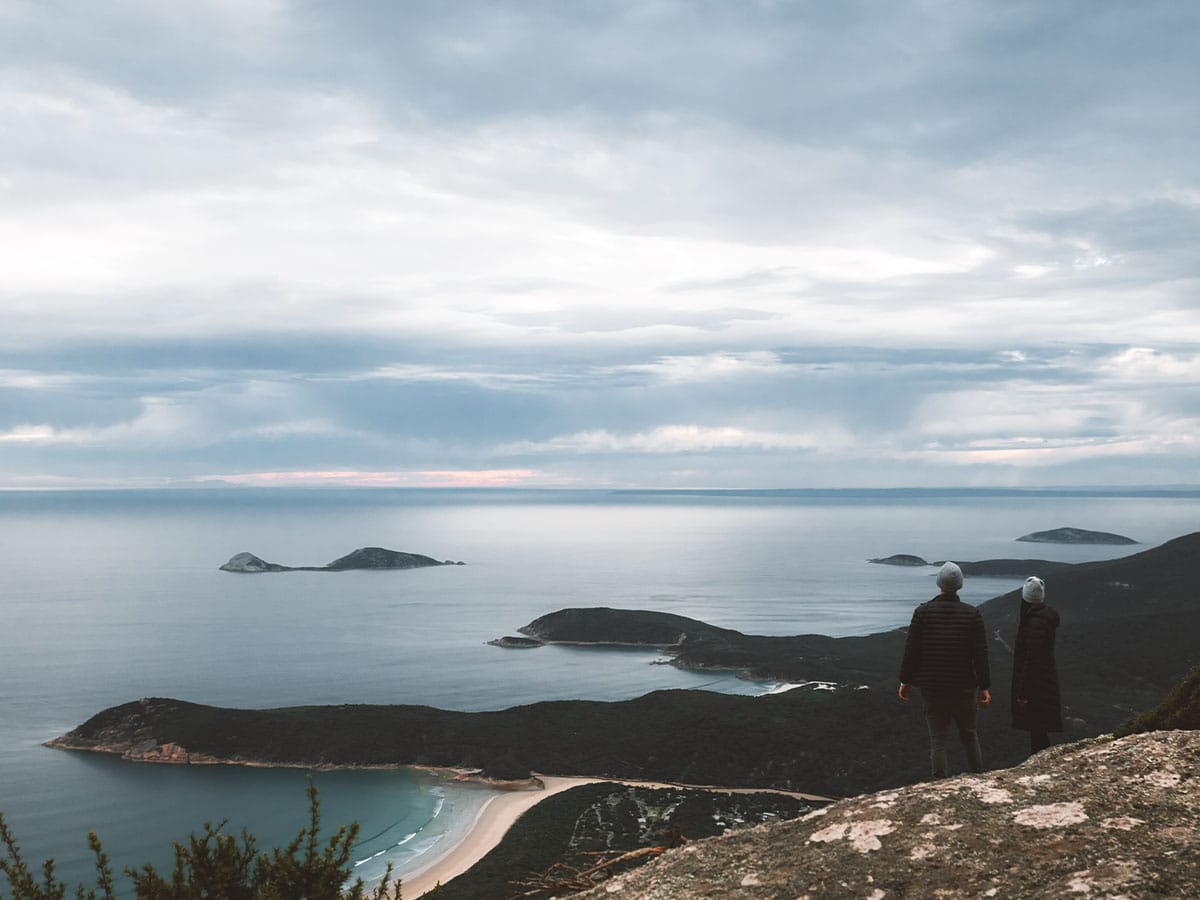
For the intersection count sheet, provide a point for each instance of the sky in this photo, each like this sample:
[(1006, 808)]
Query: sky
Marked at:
[(566, 243)]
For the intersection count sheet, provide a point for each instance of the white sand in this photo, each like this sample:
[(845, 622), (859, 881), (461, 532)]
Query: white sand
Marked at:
[(470, 841)]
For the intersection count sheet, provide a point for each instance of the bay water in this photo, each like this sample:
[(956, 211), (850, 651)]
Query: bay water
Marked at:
[(109, 596)]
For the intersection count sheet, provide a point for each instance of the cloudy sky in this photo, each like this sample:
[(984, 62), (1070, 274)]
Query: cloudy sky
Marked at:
[(637, 244)]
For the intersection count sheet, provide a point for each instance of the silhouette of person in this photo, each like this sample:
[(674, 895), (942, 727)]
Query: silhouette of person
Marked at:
[(945, 655), (1036, 704)]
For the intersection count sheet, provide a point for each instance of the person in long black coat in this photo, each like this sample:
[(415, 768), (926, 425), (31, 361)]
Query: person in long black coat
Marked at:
[(1036, 702)]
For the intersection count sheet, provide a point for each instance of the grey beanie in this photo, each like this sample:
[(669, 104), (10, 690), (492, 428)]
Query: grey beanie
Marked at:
[(950, 577), (1034, 590)]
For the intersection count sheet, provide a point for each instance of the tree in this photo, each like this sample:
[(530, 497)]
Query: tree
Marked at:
[(216, 866)]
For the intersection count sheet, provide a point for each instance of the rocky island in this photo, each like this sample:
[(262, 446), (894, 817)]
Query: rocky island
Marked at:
[(1076, 536), (900, 559), (362, 558)]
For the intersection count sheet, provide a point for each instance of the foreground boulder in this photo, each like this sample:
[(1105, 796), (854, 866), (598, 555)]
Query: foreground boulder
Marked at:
[(1102, 818)]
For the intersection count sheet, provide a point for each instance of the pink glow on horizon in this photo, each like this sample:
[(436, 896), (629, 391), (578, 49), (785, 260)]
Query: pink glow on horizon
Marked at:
[(350, 478)]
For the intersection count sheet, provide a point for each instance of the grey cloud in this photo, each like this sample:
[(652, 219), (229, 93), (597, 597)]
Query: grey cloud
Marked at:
[(1159, 228)]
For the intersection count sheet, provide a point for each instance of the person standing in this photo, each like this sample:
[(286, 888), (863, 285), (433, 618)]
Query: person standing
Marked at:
[(945, 655), (1036, 705)]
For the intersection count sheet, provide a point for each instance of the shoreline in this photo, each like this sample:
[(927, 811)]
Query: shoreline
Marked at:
[(470, 841)]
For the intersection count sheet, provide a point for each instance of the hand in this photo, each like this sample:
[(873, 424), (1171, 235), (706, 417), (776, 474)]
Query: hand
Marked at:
[(905, 693), (1022, 701), (985, 697)]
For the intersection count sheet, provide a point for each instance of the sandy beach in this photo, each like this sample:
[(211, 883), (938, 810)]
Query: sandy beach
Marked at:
[(471, 840)]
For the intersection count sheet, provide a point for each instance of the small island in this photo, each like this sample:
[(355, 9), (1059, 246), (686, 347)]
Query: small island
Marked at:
[(900, 559), (1075, 536), (362, 558)]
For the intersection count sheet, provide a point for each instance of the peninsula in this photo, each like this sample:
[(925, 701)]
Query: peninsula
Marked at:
[(362, 558), (983, 568)]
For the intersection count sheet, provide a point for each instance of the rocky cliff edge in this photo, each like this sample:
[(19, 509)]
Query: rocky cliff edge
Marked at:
[(1098, 818)]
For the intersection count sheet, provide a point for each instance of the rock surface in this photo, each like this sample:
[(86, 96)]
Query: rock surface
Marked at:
[(249, 563), (1100, 818), (1075, 536), (514, 642)]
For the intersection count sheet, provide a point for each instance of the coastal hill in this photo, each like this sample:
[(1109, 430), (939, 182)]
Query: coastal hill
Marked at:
[(1180, 709), (1127, 636), (606, 828), (1075, 536), (362, 558), (1102, 817), (602, 625)]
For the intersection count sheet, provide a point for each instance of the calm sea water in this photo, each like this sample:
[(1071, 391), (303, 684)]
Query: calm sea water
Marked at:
[(106, 597)]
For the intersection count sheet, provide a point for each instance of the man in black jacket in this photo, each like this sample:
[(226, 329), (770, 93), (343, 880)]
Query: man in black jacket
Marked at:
[(945, 655)]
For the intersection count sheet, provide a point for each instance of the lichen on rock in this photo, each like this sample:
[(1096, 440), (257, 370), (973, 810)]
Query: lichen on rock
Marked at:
[(1093, 818)]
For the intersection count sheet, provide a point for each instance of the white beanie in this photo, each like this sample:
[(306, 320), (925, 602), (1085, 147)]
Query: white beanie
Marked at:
[(1034, 590), (950, 577)]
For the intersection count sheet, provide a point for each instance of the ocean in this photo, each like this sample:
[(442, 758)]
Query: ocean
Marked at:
[(109, 596)]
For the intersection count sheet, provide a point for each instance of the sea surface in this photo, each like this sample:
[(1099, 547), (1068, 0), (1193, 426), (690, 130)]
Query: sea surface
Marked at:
[(110, 596)]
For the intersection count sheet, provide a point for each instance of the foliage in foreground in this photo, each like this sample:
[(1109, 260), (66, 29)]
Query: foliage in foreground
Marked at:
[(1180, 709), (214, 866)]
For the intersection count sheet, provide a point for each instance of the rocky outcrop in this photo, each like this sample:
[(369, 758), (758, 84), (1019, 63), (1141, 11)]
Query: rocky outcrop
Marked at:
[(900, 559), (1075, 536), (362, 558), (515, 642), (249, 563), (1101, 818)]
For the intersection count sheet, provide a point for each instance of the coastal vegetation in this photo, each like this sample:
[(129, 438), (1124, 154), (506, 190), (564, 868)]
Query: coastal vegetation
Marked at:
[(576, 838), (1180, 709), (214, 865)]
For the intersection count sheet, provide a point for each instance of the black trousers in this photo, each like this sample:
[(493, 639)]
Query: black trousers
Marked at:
[(1038, 740)]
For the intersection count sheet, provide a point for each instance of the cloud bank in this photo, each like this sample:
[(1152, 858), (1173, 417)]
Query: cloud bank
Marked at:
[(770, 244)]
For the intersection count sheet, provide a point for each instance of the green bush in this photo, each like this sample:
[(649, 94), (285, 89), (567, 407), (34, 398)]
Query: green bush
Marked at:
[(214, 866)]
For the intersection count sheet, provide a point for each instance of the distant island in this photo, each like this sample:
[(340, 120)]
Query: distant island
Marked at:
[(984, 568), (900, 559), (362, 558), (1075, 536)]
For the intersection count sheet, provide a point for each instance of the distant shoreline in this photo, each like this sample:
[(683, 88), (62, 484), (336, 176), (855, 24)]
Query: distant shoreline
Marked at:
[(360, 492)]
